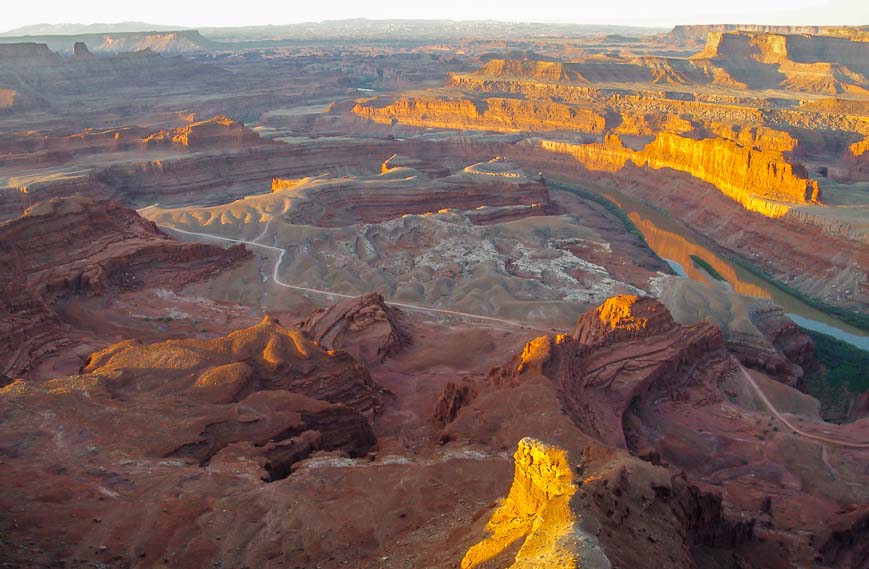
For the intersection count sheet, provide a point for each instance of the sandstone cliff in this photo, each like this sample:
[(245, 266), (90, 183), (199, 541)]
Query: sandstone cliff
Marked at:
[(757, 178), (701, 32), (212, 134), (537, 513), (596, 386), (816, 64), (496, 114), (215, 134)]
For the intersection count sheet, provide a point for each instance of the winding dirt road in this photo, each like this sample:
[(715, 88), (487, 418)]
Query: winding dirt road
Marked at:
[(428, 309), (413, 307), (790, 425)]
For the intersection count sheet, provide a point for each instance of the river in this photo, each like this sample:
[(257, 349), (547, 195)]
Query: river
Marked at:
[(675, 243)]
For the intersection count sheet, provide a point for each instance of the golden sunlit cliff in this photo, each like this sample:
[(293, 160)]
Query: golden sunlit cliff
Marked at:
[(497, 114), (758, 179)]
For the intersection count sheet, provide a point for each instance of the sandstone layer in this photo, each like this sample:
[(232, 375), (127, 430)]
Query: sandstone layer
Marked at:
[(75, 246), (626, 367), (755, 178), (365, 327), (500, 115)]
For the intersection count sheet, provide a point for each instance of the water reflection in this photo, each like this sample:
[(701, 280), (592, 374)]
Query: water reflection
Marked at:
[(678, 250), (675, 244)]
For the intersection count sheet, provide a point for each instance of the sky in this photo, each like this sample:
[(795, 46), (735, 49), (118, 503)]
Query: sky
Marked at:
[(659, 13)]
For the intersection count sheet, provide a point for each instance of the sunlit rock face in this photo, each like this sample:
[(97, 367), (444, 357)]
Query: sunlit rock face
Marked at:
[(761, 180), (621, 354), (537, 515), (502, 115), (578, 510), (622, 317)]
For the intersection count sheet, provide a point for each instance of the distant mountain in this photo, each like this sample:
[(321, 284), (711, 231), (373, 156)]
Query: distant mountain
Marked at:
[(166, 42), (76, 29), (426, 30)]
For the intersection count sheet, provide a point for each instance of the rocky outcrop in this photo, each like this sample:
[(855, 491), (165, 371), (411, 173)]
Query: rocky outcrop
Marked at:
[(855, 160), (365, 327), (760, 180), (451, 400), (432, 169), (334, 202), (495, 114), (623, 317), (214, 134), (816, 64), (266, 389), (75, 246), (537, 514), (626, 351), (772, 48), (525, 69), (784, 334), (80, 49), (262, 358), (16, 55), (599, 510)]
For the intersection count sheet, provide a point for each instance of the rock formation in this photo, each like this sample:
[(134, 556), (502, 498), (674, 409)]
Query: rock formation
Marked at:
[(333, 202), (212, 134), (27, 54), (626, 368), (80, 49), (75, 246), (263, 358), (215, 134), (169, 42), (265, 389), (598, 383), (365, 327), (756, 178), (701, 32), (574, 511), (225, 172), (537, 513), (501, 115)]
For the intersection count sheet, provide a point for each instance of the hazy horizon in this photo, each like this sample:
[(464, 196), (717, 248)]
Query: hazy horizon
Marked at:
[(667, 13)]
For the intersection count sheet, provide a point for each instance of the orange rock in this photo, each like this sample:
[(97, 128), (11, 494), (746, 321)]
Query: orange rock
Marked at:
[(756, 178), (497, 114)]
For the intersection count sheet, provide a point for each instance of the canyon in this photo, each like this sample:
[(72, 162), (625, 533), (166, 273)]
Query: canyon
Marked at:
[(434, 294)]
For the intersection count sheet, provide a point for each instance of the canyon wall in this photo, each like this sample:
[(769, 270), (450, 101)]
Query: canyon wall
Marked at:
[(699, 32), (203, 177), (753, 177), (75, 246), (779, 48), (496, 114), (37, 148)]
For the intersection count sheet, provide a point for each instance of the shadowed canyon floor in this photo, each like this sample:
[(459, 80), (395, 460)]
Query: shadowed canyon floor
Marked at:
[(414, 295)]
